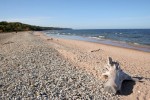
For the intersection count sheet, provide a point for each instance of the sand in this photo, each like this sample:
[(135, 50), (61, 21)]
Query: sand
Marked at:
[(93, 56), (34, 66)]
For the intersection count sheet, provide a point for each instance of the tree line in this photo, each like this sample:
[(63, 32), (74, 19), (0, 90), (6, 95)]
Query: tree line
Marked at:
[(17, 26)]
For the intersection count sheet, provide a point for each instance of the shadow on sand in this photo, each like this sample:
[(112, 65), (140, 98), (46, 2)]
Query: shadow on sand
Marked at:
[(127, 86)]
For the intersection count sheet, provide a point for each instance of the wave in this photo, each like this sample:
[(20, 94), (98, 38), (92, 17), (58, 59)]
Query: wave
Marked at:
[(58, 33), (101, 36), (118, 33), (136, 43), (64, 33), (97, 37)]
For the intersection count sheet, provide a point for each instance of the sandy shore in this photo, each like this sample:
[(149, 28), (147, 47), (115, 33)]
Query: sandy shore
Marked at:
[(93, 56), (34, 66)]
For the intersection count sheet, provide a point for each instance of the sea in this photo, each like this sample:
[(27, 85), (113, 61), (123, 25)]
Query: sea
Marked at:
[(138, 39)]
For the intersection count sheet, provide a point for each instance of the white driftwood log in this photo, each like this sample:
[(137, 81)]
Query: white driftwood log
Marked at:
[(115, 77)]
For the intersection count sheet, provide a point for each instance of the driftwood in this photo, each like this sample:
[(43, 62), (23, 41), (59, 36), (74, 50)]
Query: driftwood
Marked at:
[(95, 50), (115, 77)]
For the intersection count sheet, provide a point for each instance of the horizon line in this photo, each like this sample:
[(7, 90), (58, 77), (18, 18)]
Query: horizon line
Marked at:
[(74, 28)]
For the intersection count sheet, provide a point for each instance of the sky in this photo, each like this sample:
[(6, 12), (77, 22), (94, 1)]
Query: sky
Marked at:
[(78, 14)]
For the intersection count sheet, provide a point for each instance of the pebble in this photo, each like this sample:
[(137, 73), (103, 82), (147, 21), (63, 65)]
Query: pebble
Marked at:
[(41, 73)]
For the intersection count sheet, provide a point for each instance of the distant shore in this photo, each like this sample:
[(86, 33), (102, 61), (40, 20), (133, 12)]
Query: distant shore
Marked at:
[(18, 27), (35, 66)]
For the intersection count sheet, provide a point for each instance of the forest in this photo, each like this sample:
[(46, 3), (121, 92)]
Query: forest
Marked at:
[(17, 26)]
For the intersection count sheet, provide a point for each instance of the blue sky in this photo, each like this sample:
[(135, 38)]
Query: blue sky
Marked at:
[(78, 14)]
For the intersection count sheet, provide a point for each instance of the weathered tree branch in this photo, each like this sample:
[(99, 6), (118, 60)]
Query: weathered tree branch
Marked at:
[(115, 77)]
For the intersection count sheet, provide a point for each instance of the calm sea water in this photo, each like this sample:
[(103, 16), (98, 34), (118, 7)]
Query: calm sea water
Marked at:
[(131, 38)]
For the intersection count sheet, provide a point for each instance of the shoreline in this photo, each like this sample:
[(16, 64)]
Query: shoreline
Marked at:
[(124, 55), (99, 43), (35, 66), (134, 62), (134, 46)]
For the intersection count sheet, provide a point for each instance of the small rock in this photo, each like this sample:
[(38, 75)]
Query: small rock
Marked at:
[(139, 91)]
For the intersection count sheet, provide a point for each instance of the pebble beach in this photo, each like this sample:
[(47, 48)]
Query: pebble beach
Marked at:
[(36, 67)]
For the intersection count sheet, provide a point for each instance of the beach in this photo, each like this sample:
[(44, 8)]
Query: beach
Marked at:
[(35, 66)]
